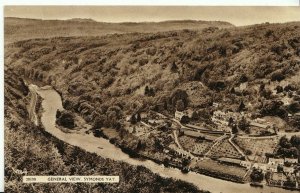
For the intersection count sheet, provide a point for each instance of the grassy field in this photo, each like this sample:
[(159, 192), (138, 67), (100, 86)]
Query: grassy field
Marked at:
[(218, 169)]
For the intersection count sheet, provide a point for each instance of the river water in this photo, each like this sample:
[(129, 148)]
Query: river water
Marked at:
[(103, 148)]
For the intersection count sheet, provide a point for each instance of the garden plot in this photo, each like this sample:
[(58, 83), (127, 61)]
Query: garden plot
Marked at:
[(197, 147), (257, 148), (202, 147), (224, 149)]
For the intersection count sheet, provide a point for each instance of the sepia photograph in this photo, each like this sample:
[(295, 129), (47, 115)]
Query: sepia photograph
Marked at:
[(151, 99)]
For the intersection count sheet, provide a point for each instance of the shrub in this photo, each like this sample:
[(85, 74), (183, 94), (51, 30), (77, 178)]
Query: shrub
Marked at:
[(278, 49), (151, 51), (269, 33), (294, 107), (273, 108), (65, 118), (277, 76), (217, 85), (143, 61), (179, 95), (243, 78), (279, 89), (257, 175)]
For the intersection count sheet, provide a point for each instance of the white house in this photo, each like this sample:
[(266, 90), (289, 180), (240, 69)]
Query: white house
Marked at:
[(230, 160), (144, 115), (291, 160), (260, 166), (274, 161), (260, 120), (215, 105), (246, 164)]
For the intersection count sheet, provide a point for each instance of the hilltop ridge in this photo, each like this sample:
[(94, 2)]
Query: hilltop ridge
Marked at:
[(17, 29)]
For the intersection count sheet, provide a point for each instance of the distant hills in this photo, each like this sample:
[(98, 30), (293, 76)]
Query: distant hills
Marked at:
[(17, 29)]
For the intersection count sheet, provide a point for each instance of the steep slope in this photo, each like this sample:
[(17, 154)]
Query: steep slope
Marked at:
[(97, 75), (29, 148)]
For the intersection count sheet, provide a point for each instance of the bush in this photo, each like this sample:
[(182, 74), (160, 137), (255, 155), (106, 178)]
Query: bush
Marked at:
[(274, 108), (294, 107), (290, 87), (278, 49), (244, 125), (217, 85), (180, 105), (257, 175), (143, 61), (277, 76), (179, 95), (65, 118), (248, 152), (243, 78), (151, 51), (279, 89), (269, 33)]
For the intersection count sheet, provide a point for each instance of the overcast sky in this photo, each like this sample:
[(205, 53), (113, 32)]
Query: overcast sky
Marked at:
[(235, 15)]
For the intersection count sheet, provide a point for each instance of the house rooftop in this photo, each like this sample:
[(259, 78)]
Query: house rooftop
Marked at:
[(291, 160), (252, 123), (229, 160)]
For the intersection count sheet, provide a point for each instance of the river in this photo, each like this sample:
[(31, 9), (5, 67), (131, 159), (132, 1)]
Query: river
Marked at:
[(88, 142)]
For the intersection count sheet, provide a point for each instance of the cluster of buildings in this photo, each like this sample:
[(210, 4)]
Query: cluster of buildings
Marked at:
[(242, 163), (223, 119), (273, 164), (283, 176)]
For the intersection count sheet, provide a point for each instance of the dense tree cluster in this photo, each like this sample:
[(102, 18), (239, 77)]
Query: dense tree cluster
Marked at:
[(257, 175), (289, 148), (179, 98), (149, 91), (244, 125), (65, 118), (274, 108)]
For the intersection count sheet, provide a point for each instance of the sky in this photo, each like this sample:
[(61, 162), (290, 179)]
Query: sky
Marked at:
[(236, 15)]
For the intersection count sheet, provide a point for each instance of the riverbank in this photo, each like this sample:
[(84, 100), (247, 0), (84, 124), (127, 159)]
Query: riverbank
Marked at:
[(134, 154), (71, 153), (66, 161), (104, 148), (285, 187)]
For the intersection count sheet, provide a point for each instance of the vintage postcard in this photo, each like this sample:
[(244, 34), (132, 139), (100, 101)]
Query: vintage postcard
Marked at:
[(152, 99)]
